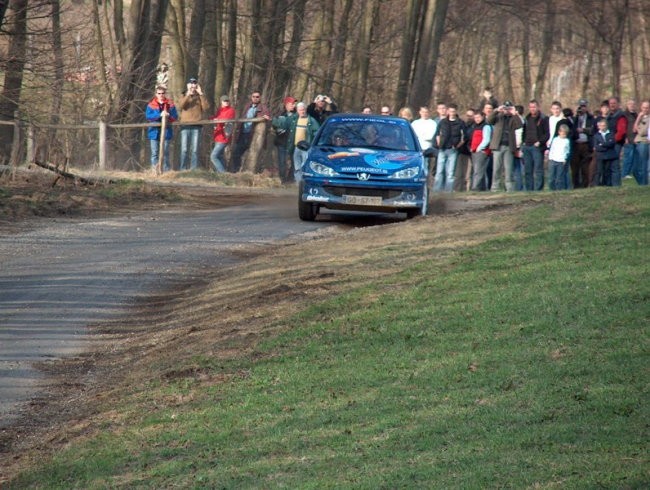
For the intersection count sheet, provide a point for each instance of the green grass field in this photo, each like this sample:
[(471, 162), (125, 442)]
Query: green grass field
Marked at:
[(521, 362)]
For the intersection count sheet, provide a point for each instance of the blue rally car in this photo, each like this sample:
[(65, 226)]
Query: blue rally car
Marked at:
[(364, 163)]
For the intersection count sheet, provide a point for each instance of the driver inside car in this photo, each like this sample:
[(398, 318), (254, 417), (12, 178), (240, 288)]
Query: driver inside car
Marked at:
[(371, 135)]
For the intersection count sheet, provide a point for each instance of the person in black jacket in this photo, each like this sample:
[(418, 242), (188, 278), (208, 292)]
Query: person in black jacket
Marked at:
[(583, 125), (449, 139), (606, 154)]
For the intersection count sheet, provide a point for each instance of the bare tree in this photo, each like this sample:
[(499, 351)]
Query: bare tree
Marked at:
[(428, 49), (11, 92)]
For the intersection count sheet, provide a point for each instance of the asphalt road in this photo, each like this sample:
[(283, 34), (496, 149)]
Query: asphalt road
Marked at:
[(62, 276)]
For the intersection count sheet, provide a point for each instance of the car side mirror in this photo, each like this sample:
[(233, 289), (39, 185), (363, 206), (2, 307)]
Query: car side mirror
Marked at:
[(303, 145), (429, 152)]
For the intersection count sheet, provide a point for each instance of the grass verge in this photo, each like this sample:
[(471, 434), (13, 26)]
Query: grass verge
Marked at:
[(513, 356)]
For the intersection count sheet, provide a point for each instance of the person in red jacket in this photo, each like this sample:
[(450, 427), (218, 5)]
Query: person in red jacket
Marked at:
[(222, 133), (479, 146)]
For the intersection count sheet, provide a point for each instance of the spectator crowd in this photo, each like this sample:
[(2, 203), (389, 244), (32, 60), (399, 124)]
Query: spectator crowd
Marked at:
[(491, 146)]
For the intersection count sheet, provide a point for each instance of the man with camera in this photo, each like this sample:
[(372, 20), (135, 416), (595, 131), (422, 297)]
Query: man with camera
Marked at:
[(504, 121), (322, 107), (584, 124), (193, 104)]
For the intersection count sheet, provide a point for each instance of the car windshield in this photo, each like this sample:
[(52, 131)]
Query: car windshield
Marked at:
[(367, 133)]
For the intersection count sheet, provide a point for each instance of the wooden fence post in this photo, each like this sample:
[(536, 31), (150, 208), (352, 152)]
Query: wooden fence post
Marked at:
[(15, 145), (102, 145), (29, 157)]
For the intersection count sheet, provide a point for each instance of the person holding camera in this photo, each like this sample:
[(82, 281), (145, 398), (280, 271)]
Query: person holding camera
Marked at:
[(584, 124), (193, 104), (322, 108), (505, 122)]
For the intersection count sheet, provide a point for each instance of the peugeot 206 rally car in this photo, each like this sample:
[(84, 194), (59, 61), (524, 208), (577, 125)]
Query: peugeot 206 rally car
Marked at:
[(364, 162)]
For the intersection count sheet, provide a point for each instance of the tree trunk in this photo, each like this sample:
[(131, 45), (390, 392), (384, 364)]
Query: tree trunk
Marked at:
[(178, 72), (195, 41), (57, 88), (211, 55), (503, 61), (408, 52), (428, 50), (100, 56), (616, 45), (547, 42), (11, 92), (632, 36), (118, 26), (525, 57)]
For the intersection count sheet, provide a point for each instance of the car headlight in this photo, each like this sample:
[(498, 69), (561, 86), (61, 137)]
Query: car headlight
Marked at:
[(407, 173), (321, 169)]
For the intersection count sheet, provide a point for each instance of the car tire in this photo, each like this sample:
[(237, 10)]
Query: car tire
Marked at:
[(421, 211), (307, 211)]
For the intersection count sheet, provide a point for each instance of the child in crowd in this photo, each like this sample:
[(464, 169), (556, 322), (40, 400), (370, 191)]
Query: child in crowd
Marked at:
[(558, 159), (605, 150)]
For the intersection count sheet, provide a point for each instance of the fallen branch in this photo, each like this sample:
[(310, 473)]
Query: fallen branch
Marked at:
[(68, 175)]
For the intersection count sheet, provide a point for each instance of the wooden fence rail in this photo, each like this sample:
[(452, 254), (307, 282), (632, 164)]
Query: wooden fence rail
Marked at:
[(102, 131)]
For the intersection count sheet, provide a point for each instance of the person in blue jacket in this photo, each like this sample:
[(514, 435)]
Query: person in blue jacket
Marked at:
[(156, 108)]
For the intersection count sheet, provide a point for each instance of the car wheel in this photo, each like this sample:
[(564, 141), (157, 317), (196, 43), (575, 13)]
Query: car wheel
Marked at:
[(306, 210), (421, 211)]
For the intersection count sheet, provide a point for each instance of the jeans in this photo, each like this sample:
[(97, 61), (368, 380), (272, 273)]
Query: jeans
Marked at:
[(557, 175), (628, 159), (602, 172), (155, 152), (190, 137), (533, 168), (445, 170), (614, 177), (243, 144), (479, 162), (518, 174), (642, 157), (503, 158), (299, 158), (463, 177), (281, 151), (215, 157)]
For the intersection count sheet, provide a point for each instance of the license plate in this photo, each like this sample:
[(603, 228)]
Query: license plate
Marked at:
[(362, 200)]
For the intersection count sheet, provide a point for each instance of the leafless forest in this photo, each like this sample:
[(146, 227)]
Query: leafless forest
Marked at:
[(78, 61)]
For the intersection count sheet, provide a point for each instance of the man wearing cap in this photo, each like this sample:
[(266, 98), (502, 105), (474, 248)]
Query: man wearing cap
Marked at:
[(222, 133), (503, 143), (157, 108), (193, 104), (322, 107), (584, 124), (281, 135)]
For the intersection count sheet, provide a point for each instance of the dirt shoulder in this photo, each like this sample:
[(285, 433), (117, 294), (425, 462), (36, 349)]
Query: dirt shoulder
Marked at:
[(32, 192)]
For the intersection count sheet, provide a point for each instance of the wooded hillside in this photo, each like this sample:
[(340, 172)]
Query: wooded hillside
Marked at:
[(75, 60)]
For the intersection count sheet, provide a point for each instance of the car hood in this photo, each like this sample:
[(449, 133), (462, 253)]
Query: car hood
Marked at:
[(368, 160)]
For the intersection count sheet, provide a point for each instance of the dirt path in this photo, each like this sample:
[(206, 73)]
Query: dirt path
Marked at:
[(61, 277)]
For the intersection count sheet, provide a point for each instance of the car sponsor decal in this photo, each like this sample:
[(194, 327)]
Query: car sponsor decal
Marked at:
[(370, 170), (390, 161), (343, 154)]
